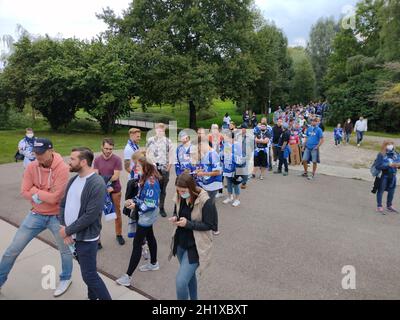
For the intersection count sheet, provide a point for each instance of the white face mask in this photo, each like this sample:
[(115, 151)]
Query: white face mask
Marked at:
[(186, 195), (390, 147), (30, 135)]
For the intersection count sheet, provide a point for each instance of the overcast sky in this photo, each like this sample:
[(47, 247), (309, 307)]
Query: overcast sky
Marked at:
[(77, 17)]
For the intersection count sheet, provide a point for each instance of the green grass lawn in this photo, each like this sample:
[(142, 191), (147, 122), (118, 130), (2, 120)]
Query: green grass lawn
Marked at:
[(181, 113), (63, 142)]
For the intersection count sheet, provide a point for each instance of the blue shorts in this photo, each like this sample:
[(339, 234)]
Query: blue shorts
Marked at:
[(310, 155)]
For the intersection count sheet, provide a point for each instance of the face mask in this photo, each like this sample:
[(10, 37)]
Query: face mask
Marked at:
[(390, 147), (30, 135), (186, 195)]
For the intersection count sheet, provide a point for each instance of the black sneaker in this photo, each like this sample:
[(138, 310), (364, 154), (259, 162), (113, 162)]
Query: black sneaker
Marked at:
[(278, 172), (163, 213), (120, 240), (99, 246)]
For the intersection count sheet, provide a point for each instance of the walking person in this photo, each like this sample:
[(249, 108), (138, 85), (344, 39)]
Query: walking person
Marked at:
[(185, 155), (247, 143), (194, 218), (294, 144), (231, 153), (147, 206), (338, 134), (276, 134), (284, 150), (109, 166), (159, 151), (43, 185), (131, 147), (253, 120), (226, 121), (246, 117), (216, 142), (360, 128), (25, 146), (80, 218), (209, 170), (261, 151), (313, 140), (348, 129), (387, 161)]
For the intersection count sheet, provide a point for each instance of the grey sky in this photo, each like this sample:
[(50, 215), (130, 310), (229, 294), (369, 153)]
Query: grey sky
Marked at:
[(77, 17)]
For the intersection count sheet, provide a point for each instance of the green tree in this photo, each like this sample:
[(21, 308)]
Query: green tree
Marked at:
[(183, 45), (368, 26), (320, 47), (48, 74), (108, 82), (303, 85), (389, 16)]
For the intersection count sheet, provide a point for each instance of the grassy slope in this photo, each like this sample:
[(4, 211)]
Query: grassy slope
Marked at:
[(63, 142)]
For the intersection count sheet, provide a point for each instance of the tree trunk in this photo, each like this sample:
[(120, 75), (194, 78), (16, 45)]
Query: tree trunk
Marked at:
[(192, 115)]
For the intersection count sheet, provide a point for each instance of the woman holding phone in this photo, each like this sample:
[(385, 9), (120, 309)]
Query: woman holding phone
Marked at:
[(194, 218)]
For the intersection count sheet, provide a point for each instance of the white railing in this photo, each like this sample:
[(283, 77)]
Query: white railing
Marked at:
[(137, 123)]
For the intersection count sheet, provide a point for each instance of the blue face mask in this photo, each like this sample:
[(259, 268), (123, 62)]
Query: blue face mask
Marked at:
[(186, 195)]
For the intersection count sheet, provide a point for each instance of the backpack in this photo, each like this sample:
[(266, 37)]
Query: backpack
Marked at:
[(374, 171)]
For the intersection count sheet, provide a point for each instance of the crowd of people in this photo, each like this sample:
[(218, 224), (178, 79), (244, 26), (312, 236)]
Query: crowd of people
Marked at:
[(205, 163)]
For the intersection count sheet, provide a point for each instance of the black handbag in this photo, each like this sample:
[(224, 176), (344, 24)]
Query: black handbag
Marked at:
[(18, 156)]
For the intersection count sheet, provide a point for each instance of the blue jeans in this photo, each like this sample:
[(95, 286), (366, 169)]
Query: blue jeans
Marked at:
[(32, 225), (390, 189), (232, 187), (87, 253), (360, 136), (186, 281), (348, 135)]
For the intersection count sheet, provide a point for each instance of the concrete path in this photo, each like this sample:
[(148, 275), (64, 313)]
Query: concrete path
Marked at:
[(289, 239), (32, 268)]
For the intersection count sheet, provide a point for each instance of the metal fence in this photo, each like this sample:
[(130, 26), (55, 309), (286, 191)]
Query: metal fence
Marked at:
[(137, 123)]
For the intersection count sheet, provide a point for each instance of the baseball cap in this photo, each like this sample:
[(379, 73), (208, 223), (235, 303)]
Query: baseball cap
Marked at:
[(41, 145), (285, 125)]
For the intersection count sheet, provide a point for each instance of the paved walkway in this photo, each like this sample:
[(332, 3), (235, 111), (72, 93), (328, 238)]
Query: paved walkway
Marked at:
[(25, 280), (289, 239)]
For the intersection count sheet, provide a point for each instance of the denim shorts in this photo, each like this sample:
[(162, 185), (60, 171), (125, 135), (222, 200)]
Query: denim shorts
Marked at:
[(310, 155)]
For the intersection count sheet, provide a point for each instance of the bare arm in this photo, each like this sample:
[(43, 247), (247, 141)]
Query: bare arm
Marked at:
[(127, 166)]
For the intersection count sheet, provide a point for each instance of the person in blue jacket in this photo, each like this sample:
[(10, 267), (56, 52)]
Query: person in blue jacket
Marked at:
[(387, 161), (185, 155), (338, 134), (231, 157), (146, 203)]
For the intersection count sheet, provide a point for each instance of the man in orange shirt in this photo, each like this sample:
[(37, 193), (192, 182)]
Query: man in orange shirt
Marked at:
[(43, 185)]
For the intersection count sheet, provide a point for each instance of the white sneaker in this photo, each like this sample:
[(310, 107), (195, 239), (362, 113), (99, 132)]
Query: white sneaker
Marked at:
[(149, 267), (62, 287), (227, 200), (124, 280), (236, 203), (219, 195)]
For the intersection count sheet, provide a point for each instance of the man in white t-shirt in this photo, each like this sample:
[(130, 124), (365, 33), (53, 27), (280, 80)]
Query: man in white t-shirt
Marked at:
[(360, 128), (80, 219)]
